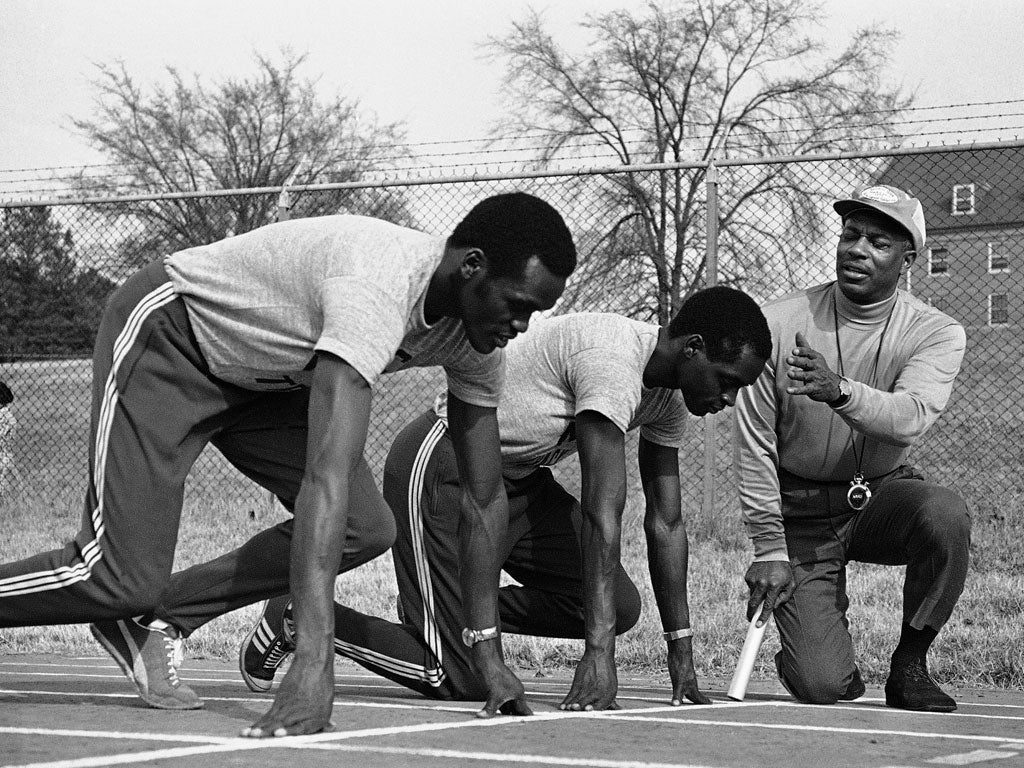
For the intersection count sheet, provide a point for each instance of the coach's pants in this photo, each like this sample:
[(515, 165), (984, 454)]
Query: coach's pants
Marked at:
[(908, 522), (541, 551), (155, 406)]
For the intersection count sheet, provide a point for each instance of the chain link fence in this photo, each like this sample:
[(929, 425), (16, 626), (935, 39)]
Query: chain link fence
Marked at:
[(643, 239)]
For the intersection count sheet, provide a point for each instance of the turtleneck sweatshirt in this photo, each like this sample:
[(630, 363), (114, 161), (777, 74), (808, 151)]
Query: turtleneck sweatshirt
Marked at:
[(918, 350)]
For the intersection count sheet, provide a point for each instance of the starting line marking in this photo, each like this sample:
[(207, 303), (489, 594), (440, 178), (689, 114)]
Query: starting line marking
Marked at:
[(820, 728), (453, 707), (165, 754), (205, 745), (968, 758)]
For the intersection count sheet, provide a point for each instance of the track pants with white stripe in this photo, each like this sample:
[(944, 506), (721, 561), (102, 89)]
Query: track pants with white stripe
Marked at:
[(154, 408), (541, 551)]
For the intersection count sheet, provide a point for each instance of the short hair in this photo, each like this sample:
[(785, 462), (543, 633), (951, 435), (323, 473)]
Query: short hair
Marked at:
[(727, 319), (6, 396), (513, 227)]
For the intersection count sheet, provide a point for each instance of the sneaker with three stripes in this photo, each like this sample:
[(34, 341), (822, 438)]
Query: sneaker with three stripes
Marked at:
[(268, 645)]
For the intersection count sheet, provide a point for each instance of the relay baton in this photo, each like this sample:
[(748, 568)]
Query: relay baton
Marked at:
[(744, 667)]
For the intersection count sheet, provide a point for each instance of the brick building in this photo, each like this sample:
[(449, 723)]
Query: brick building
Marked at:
[(973, 267)]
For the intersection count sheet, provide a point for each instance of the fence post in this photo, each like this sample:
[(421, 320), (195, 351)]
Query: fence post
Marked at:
[(711, 278), (284, 199)]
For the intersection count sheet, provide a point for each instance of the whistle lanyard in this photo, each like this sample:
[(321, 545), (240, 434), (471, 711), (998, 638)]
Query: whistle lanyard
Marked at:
[(859, 494)]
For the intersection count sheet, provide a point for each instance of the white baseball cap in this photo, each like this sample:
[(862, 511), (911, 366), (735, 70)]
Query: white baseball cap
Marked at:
[(892, 202)]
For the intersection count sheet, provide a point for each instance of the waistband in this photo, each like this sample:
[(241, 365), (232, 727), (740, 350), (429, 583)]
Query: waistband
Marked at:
[(804, 498)]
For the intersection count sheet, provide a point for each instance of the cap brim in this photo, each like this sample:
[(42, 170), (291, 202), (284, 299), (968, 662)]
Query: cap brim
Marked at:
[(847, 207)]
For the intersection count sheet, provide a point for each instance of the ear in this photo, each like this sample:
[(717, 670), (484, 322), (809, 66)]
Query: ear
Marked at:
[(692, 344), (909, 257), (473, 260)]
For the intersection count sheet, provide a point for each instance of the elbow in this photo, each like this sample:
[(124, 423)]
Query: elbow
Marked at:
[(907, 433), (658, 529), (902, 440)]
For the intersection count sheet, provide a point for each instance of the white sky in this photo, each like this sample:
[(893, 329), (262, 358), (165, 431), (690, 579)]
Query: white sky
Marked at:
[(416, 61)]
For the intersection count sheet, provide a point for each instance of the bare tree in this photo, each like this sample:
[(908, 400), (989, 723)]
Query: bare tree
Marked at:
[(670, 85), (238, 133)]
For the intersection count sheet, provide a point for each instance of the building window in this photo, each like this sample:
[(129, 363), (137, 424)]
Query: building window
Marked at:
[(963, 199), (938, 261), (998, 261), (998, 309)]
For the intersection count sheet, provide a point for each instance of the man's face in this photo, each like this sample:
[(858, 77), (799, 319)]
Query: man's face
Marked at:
[(496, 309), (709, 387), (871, 254)]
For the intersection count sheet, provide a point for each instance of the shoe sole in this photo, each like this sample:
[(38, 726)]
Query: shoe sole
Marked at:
[(255, 684), (933, 708), (129, 672)]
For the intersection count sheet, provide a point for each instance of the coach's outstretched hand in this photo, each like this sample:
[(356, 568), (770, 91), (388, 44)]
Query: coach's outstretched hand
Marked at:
[(682, 673), (505, 692), (303, 702)]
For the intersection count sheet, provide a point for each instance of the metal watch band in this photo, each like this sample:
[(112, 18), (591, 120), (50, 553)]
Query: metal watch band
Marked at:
[(676, 634), (844, 394), (471, 637)]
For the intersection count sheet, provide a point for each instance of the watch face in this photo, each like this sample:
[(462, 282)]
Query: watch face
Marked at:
[(468, 637)]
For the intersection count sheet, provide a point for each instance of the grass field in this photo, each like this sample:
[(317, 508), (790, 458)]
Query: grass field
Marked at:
[(975, 447)]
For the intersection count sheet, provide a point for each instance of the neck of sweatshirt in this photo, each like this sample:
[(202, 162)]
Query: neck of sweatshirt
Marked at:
[(862, 314)]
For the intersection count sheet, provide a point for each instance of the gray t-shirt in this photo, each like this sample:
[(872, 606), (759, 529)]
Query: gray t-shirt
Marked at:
[(262, 303), (568, 364)]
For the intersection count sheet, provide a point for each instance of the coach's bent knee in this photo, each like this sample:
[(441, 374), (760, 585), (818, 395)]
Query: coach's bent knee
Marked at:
[(943, 517), (811, 683)]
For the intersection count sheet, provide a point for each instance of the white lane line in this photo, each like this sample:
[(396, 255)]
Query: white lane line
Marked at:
[(324, 740), (503, 757), (139, 736), (969, 758), (135, 758), (894, 711), (469, 708), (241, 744), (377, 684), (640, 717), (453, 707)]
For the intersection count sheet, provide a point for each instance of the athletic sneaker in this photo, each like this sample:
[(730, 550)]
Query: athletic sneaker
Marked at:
[(268, 645), (149, 656)]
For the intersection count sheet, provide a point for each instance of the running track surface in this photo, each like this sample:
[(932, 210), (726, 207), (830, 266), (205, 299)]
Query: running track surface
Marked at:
[(80, 713)]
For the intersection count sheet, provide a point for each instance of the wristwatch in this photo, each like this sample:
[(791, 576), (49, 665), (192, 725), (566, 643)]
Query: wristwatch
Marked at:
[(471, 637), (845, 390)]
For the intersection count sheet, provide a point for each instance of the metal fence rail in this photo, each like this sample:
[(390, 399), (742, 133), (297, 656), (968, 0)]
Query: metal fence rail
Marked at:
[(772, 230)]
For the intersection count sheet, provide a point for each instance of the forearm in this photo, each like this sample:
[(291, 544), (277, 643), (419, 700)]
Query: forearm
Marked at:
[(893, 418), (900, 413), (317, 546), (760, 497), (668, 561), (601, 552), (339, 409), (755, 463), (480, 534)]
